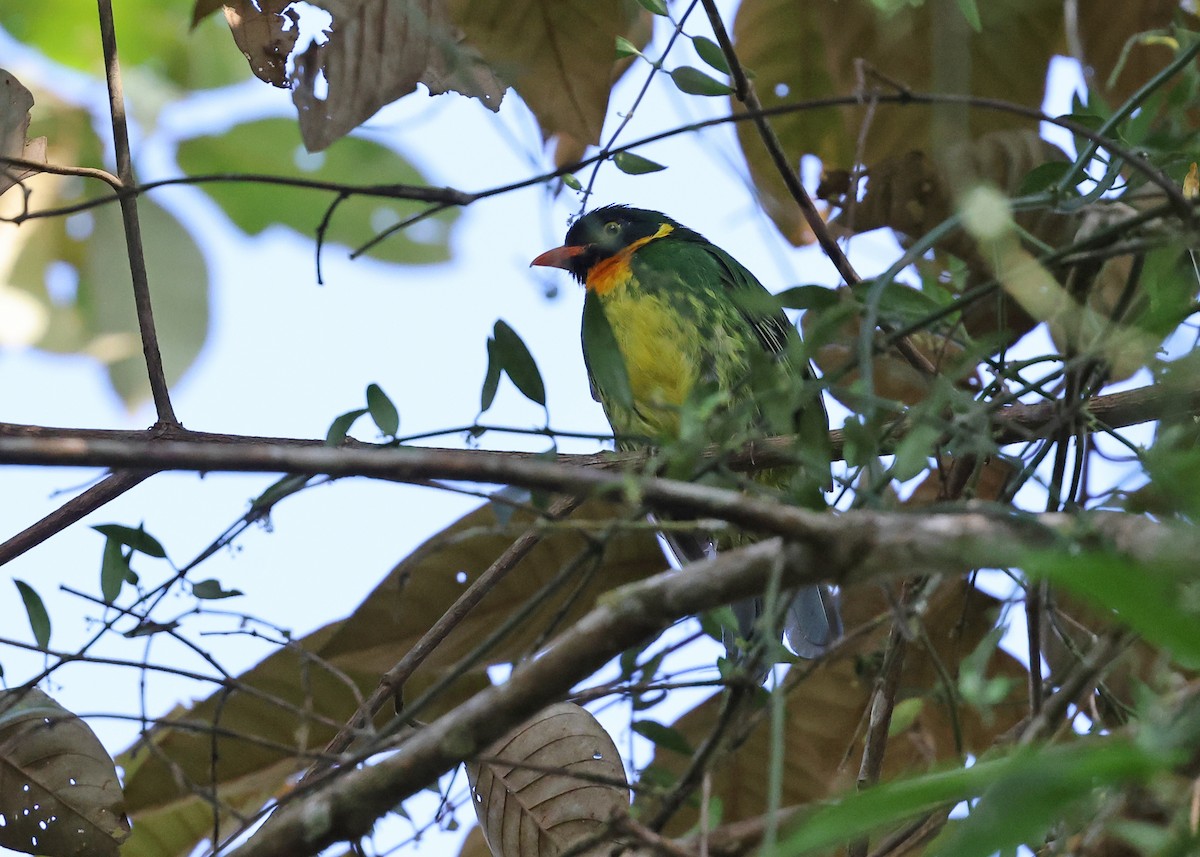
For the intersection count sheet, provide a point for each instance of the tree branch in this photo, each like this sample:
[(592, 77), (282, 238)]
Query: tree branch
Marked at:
[(852, 548), (111, 487), (129, 216)]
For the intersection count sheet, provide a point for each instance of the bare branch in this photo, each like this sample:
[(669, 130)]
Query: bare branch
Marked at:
[(129, 216), (108, 489)]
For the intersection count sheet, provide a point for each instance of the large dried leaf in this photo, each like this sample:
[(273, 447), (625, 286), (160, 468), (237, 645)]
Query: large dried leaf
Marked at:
[(801, 50), (378, 51), (59, 793), (15, 103), (826, 713), (311, 699), (558, 54), (554, 780), (911, 193)]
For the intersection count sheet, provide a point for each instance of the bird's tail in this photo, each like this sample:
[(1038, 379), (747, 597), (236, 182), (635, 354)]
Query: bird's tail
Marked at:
[(812, 624)]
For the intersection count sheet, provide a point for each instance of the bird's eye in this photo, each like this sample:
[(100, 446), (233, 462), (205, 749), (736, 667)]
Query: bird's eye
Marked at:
[(612, 227)]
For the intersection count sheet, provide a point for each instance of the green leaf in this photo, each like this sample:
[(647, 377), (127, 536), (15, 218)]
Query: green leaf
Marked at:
[(491, 381), (1043, 177), (147, 629), (39, 619), (273, 146), (114, 570), (711, 53), (807, 297), (340, 426), (382, 410), (626, 48), (635, 165), (519, 363), (100, 318), (695, 82), (1156, 601), (658, 7), (899, 303), (606, 366), (663, 736), (971, 12), (140, 540), (914, 451), (1065, 771), (714, 622), (285, 486), (211, 590), (157, 44)]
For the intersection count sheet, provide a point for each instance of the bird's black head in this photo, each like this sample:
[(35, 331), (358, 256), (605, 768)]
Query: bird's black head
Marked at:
[(605, 232)]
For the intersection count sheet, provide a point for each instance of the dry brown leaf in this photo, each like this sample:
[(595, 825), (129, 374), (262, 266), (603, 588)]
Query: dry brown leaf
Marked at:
[(826, 712), (265, 33), (1105, 30), (527, 787), (15, 104), (475, 845), (912, 193), (170, 818), (59, 791), (378, 51), (986, 481), (559, 55), (801, 50), (204, 8)]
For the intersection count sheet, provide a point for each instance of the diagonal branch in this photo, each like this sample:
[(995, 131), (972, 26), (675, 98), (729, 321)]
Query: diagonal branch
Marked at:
[(108, 489), (345, 807)]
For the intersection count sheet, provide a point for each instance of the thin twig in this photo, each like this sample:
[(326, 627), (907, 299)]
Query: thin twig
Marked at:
[(883, 703), (129, 216), (744, 91), (391, 682)]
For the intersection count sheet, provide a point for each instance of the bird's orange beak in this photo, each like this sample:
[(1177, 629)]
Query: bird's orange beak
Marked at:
[(559, 257)]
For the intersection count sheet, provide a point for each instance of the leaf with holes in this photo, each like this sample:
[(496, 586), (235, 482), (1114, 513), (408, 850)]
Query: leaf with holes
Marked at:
[(58, 786), (557, 54), (15, 101), (550, 783)]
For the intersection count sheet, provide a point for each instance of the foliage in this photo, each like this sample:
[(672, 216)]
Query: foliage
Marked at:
[(978, 369)]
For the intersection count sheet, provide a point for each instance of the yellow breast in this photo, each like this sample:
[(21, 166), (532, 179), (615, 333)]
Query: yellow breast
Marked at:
[(661, 357)]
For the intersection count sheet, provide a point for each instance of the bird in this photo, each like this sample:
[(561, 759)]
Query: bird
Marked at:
[(700, 340)]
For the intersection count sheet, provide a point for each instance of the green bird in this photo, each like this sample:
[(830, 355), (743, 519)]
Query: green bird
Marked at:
[(697, 333)]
